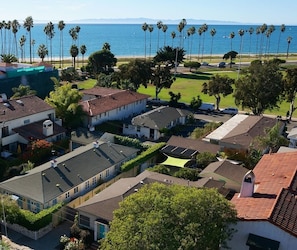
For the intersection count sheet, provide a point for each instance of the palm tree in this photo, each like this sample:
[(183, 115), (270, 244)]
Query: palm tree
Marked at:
[(282, 30), (268, 34), (251, 31), (159, 26), (200, 32), (42, 51), (289, 39), (258, 31), (2, 40), (15, 28), (180, 29), (73, 34), (240, 33), (204, 29), (231, 36), (106, 46), (151, 28), (164, 29), (173, 35), (28, 25), (8, 27), (144, 28), (191, 31), (77, 29), (73, 52), (212, 33), (263, 29), (83, 50), (49, 30), (22, 45), (61, 26), (33, 46)]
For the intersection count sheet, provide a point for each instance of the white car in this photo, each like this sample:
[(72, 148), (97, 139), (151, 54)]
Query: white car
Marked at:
[(230, 110)]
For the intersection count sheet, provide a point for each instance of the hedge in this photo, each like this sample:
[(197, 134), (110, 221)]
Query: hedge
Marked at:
[(143, 157)]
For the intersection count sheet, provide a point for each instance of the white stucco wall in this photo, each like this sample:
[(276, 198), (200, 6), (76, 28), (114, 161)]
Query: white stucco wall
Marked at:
[(264, 229)]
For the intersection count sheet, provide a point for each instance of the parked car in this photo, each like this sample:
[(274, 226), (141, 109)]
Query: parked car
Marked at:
[(222, 65), (204, 64), (207, 107), (230, 110)]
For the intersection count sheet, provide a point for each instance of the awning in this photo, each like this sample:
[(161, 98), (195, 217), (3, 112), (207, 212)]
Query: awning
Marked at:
[(259, 242), (175, 162)]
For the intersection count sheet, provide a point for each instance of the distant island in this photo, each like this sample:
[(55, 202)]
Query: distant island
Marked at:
[(141, 20)]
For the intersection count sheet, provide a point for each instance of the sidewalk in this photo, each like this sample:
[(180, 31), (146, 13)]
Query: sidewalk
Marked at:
[(50, 241)]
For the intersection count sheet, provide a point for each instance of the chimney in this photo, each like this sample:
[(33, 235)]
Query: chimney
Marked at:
[(247, 185), (48, 128), (54, 163)]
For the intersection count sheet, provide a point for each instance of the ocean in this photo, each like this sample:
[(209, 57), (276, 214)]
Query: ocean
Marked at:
[(129, 40)]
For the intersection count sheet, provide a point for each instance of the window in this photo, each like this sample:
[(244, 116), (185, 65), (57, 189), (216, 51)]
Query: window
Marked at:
[(107, 173), (138, 128), (75, 190), (27, 121), (84, 220), (5, 131), (67, 195), (87, 185), (94, 181)]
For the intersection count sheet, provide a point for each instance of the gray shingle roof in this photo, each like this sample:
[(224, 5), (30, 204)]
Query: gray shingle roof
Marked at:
[(72, 169), (160, 117)]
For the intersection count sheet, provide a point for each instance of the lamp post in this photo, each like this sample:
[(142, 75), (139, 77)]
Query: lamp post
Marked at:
[(4, 216)]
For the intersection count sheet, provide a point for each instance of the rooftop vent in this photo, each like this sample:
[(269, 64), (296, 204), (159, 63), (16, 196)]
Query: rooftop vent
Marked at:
[(54, 163)]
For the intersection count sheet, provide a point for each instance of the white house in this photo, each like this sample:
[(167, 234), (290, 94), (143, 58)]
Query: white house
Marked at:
[(68, 176), (22, 120), (150, 124), (266, 205), (106, 104)]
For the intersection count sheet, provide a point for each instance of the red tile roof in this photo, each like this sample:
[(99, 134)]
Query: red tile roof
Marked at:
[(275, 192), (109, 99)]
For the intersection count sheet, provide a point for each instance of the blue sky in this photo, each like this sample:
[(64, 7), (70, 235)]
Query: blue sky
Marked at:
[(243, 11)]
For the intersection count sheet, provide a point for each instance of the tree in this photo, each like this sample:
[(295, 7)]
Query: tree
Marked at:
[(263, 29), (161, 78), (164, 29), (73, 52), (273, 139), (137, 72), (22, 45), (191, 65), (188, 174), (205, 158), (42, 51), (240, 33), (101, 62), (159, 26), (173, 35), (231, 54), (22, 90), (212, 33), (195, 103), (106, 46), (290, 89), (259, 88), (289, 39), (162, 169), (218, 85), (151, 28), (174, 98), (169, 56), (161, 216), (282, 30), (251, 31), (83, 50), (49, 30), (65, 100), (231, 36), (61, 26), (144, 28), (28, 25), (15, 25), (73, 34), (8, 58)]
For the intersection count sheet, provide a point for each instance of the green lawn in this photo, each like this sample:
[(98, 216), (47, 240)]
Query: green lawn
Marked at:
[(190, 85)]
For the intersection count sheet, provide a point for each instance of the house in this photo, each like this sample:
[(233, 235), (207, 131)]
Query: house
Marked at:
[(68, 176), (106, 104), (240, 131), (150, 124), (266, 205), (184, 147), (231, 174), (97, 212), (25, 119)]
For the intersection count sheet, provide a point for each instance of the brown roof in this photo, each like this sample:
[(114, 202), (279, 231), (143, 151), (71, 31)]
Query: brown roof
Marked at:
[(248, 129), (34, 130), (111, 101), (22, 107), (275, 192), (100, 91), (195, 144)]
